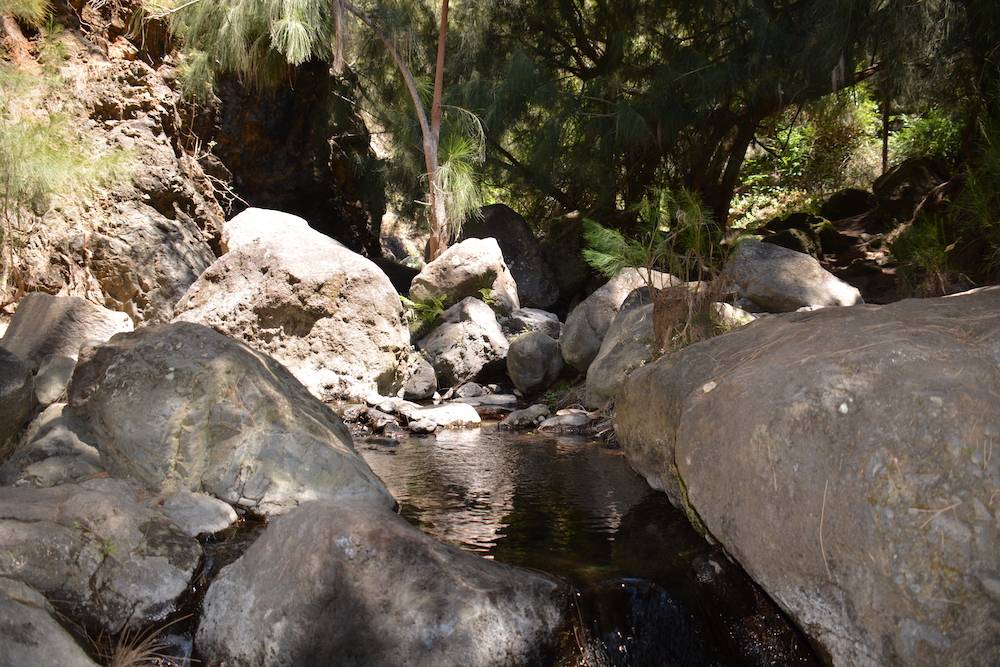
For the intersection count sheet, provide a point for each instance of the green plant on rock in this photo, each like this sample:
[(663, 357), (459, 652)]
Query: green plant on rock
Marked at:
[(677, 236), (423, 314), (42, 156)]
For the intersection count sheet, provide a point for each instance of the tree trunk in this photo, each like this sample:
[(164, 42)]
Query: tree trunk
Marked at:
[(430, 129), (439, 214), (885, 136)]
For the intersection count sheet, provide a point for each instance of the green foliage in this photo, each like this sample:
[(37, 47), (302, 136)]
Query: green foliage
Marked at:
[(963, 239), (42, 155), (805, 154), (32, 12), (924, 253), (677, 235), (423, 314), (934, 134)]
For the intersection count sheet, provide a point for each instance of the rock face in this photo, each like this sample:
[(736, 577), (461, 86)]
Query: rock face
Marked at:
[(783, 280), (533, 362), (375, 591), (587, 325), (467, 341), (302, 148), (536, 282), (842, 456), (95, 551), (629, 344), (29, 635), (464, 270), (17, 400), (328, 314), (182, 407), (138, 246)]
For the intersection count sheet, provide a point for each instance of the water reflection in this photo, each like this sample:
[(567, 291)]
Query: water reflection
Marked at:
[(651, 591)]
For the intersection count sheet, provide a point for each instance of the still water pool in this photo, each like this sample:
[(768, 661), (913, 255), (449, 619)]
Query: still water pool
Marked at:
[(650, 591)]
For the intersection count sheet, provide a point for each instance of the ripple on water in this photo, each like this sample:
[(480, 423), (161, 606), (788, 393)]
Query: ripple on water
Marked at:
[(651, 590)]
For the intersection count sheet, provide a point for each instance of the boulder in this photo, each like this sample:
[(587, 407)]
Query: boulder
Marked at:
[(328, 314), (899, 190), (29, 633), (843, 458), (589, 322), (347, 586), (419, 380), (182, 407), (847, 204), (532, 319), (782, 280), (261, 225), (96, 551), (529, 417), (629, 344), (46, 326), (562, 247), (195, 513), (17, 400), (467, 341), (536, 282), (465, 270), (728, 317), (56, 450), (534, 362)]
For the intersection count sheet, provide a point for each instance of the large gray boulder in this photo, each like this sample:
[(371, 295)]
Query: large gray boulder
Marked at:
[(17, 400), (328, 314), (629, 344), (342, 585), (587, 325), (465, 270), (44, 326), (182, 407), (783, 280), (533, 362), (536, 282), (467, 341), (843, 457), (47, 333), (95, 551), (29, 633)]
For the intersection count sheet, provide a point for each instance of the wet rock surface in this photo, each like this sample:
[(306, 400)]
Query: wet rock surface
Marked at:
[(855, 482), (17, 400)]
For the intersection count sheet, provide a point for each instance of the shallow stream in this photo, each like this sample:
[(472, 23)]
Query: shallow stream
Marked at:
[(649, 590)]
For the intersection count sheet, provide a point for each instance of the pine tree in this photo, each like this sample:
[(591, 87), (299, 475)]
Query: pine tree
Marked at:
[(259, 41)]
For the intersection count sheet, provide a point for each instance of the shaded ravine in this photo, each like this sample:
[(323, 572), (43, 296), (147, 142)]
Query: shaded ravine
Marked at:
[(650, 590)]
